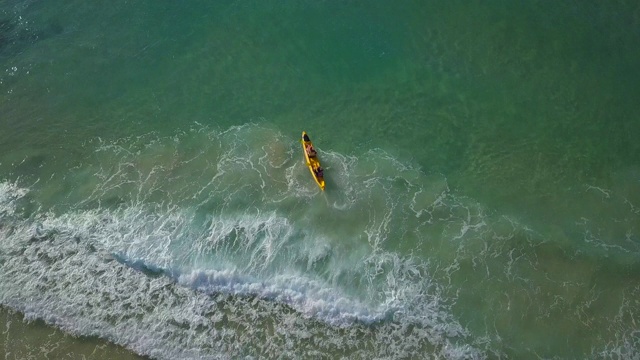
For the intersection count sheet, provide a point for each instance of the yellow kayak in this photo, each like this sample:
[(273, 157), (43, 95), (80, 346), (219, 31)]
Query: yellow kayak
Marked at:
[(311, 156)]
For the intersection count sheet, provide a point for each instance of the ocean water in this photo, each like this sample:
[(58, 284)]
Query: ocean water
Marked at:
[(482, 165)]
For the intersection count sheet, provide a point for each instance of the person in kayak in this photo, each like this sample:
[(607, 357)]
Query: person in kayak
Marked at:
[(319, 172), (311, 151)]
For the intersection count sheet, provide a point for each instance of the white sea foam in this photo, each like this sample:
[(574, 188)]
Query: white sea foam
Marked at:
[(9, 194), (61, 268), (151, 252), (200, 246)]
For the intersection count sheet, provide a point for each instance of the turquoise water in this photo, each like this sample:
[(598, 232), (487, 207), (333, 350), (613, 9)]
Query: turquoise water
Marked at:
[(482, 168)]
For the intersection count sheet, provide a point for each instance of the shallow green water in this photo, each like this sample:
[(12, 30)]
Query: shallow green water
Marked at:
[(483, 195)]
